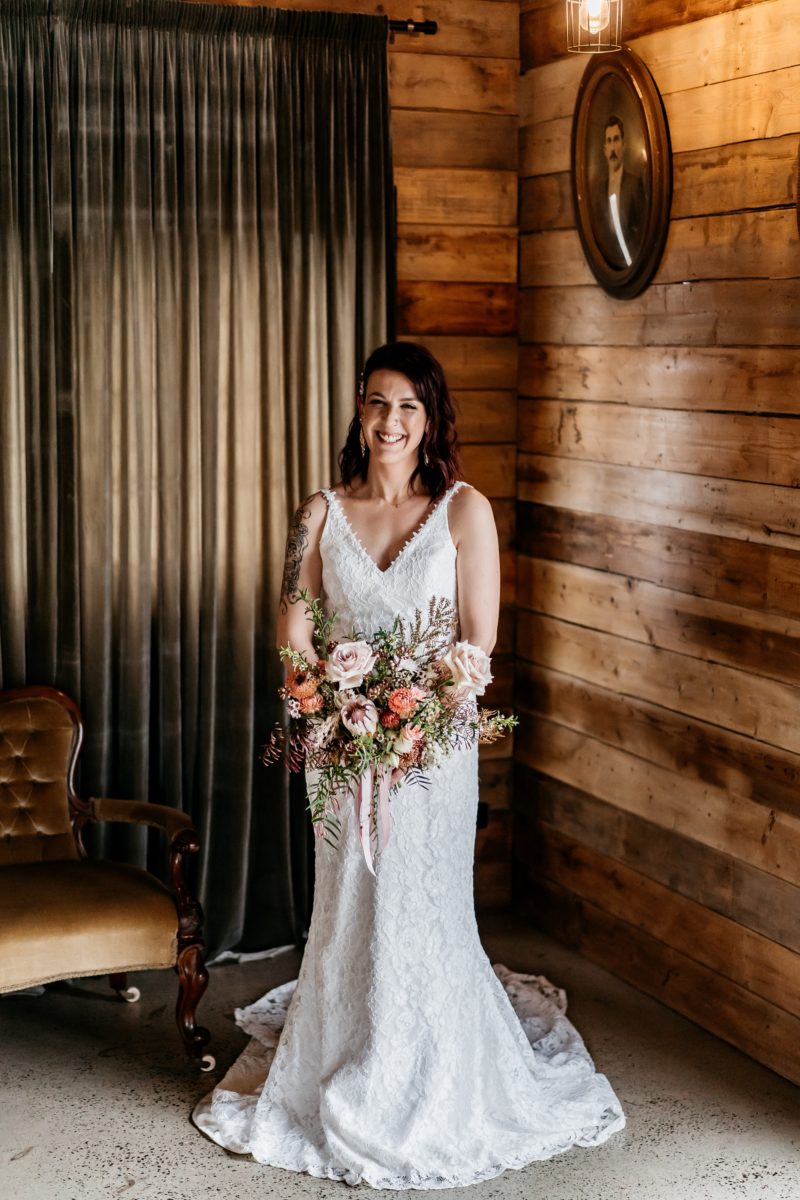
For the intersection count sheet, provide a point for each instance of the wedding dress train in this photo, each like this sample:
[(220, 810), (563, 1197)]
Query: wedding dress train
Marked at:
[(400, 1057)]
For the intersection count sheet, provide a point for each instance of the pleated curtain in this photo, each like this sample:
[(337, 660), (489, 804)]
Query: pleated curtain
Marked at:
[(195, 258)]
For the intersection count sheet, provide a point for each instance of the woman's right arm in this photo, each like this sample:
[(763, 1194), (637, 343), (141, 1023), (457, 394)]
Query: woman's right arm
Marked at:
[(302, 569)]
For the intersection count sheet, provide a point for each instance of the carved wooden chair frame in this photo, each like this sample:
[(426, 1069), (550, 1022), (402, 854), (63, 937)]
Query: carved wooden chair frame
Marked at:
[(183, 843)]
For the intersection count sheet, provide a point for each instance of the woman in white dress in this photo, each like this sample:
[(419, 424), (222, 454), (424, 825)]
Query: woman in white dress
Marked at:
[(400, 1057)]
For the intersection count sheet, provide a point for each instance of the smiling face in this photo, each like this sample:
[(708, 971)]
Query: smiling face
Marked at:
[(613, 146), (392, 417)]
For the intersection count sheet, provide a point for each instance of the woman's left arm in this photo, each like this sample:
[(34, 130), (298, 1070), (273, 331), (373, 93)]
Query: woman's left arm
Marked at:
[(474, 533)]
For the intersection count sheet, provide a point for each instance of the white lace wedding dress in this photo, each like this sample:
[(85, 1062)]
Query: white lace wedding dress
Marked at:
[(400, 1057)]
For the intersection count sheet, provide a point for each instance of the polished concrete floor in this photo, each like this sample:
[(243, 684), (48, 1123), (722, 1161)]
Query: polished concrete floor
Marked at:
[(95, 1097)]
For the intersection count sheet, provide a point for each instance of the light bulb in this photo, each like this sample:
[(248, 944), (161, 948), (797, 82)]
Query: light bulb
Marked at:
[(593, 16)]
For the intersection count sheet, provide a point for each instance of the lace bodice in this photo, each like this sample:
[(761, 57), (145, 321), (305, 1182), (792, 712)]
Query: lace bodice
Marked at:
[(364, 596)]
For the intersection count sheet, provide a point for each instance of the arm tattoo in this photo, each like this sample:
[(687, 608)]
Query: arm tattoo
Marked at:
[(296, 545)]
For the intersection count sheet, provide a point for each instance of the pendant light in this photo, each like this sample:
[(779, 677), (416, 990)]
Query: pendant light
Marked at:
[(594, 26)]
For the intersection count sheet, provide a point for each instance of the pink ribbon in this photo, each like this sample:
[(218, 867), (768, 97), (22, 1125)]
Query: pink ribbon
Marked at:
[(384, 776), (365, 815)]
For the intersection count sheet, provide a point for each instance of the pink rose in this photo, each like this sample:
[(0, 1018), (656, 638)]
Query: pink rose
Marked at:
[(469, 668), (407, 738), (349, 663), (360, 716)]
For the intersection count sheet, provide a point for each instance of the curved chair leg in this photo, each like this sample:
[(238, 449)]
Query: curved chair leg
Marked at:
[(192, 982), (119, 984)]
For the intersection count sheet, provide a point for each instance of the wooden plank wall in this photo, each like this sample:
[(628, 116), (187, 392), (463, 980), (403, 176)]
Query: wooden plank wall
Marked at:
[(657, 786), (455, 143), (454, 119)]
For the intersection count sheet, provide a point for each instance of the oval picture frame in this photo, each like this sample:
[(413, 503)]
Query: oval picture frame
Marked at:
[(621, 172)]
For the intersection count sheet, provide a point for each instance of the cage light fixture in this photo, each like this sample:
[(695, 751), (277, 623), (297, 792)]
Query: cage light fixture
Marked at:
[(594, 26)]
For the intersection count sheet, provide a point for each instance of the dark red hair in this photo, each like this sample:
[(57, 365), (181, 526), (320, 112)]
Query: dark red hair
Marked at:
[(440, 442)]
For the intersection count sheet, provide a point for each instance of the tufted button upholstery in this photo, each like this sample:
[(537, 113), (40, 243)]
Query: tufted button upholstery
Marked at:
[(37, 739)]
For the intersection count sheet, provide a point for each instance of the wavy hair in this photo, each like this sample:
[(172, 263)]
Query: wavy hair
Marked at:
[(440, 443)]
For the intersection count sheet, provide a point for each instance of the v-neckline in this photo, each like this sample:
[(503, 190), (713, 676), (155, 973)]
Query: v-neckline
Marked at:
[(412, 536)]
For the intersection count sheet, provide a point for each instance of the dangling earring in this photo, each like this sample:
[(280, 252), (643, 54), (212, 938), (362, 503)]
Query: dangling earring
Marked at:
[(425, 456), (362, 442)]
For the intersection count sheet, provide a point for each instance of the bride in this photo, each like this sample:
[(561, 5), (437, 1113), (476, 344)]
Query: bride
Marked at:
[(400, 1057)]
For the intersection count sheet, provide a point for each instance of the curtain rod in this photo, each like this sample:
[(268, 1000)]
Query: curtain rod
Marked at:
[(414, 27)]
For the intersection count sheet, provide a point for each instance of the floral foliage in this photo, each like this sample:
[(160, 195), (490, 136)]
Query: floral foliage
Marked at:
[(402, 699)]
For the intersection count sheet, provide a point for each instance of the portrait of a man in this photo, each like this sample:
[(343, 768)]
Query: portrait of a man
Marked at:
[(621, 172), (617, 199)]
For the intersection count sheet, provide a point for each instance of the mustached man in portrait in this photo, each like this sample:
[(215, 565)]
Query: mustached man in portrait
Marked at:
[(617, 200)]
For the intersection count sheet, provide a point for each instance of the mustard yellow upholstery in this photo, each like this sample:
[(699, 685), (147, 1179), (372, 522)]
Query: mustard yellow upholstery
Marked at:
[(37, 742), (64, 919), (62, 915)]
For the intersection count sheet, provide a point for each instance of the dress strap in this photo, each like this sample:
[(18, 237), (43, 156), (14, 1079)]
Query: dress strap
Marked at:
[(448, 496)]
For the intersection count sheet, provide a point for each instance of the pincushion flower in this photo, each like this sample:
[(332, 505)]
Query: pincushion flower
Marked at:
[(349, 663), (360, 716), (469, 668), (402, 701)]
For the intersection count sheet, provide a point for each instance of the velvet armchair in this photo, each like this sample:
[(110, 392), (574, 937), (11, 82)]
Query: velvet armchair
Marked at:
[(64, 915)]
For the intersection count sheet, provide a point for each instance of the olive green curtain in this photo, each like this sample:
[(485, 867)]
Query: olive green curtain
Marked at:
[(195, 257)]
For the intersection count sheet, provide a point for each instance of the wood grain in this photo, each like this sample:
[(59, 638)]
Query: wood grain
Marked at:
[(723, 884), (726, 46), (722, 312), (456, 254), (733, 952), (454, 139), (730, 1011), (486, 416), (466, 27), (751, 511), (431, 195), (736, 572), (490, 468), (767, 841), (725, 445), (480, 85), (736, 110), (742, 703), (763, 244), (659, 569), (476, 363), (723, 179), (758, 642), (697, 748), (429, 306), (543, 40), (732, 379)]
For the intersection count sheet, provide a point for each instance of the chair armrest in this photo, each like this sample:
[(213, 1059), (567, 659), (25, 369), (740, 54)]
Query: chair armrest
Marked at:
[(177, 825)]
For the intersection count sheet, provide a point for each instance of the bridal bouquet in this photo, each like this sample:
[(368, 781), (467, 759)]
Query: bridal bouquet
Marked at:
[(373, 711)]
